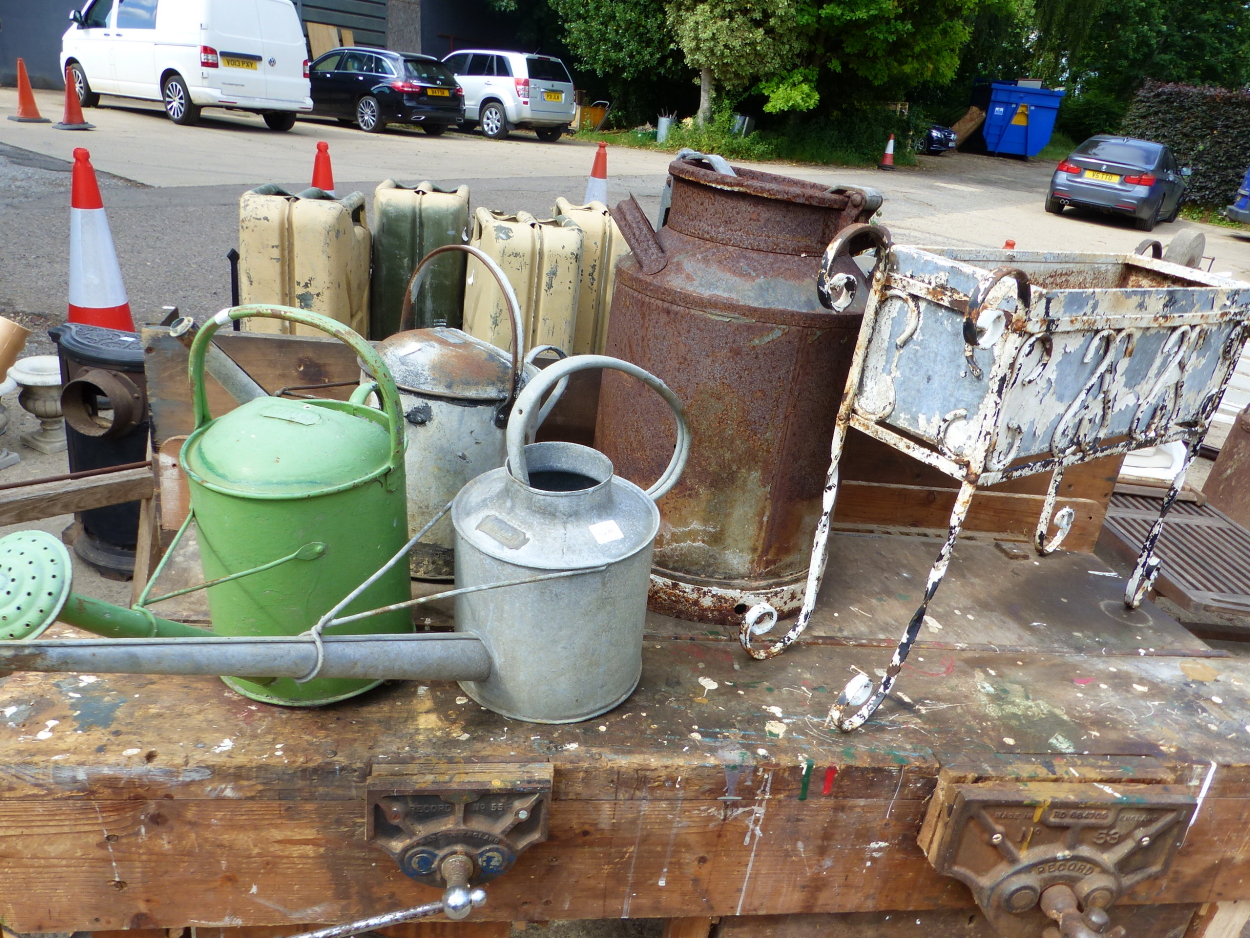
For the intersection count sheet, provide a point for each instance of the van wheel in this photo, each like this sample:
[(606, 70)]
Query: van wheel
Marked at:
[(86, 97), (369, 115), (279, 120), (493, 121), (550, 134), (178, 101)]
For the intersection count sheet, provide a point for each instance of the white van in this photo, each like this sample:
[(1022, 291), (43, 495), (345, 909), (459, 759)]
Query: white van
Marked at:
[(245, 55)]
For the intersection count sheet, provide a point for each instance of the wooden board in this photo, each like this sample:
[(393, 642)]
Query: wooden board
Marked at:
[(49, 499)]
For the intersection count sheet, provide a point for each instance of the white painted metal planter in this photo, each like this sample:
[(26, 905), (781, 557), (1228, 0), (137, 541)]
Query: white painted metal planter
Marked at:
[(992, 365)]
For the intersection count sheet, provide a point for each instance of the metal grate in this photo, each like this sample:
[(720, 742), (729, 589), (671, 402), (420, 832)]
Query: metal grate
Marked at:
[(1205, 554)]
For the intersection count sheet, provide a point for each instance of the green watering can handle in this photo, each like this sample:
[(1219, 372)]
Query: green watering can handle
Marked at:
[(372, 361)]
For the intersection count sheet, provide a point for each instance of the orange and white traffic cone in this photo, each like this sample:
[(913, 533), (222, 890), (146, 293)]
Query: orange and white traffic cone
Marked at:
[(597, 184), (73, 119), (97, 295), (887, 160), (27, 110), (323, 175)]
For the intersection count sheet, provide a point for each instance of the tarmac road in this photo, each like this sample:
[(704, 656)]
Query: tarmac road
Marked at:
[(172, 195)]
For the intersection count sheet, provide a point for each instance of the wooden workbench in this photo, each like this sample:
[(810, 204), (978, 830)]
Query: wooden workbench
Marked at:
[(716, 790)]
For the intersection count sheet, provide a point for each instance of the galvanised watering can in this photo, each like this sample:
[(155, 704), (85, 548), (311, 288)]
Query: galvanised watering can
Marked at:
[(295, 503), (456, 392), (566, 646)]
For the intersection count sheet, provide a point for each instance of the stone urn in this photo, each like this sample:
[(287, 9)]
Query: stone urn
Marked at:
[(40, 380)]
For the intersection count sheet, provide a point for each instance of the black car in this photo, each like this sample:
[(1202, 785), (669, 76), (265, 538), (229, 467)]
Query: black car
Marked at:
[(936, 141), (375, 87)]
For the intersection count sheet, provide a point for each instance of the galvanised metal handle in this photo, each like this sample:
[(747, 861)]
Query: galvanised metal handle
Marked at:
[(1024, 299), (828, 282), (421, 273), (526, 412), (364, 351)]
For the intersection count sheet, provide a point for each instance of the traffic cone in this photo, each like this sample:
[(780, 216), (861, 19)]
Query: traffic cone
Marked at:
[(597, 184), (887, 161), (27, 110), (73, 119), (323, 175), (97, 295)]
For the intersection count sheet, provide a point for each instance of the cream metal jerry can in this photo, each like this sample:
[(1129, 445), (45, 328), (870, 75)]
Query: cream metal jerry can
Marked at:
[(309, 251), (408, 223), (602, 246), (541, 259)]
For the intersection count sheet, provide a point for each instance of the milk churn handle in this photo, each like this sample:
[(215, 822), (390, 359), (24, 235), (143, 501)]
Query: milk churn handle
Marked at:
[(526, 410), (371, 360), (979, 295), (419, 276), (837, 290)]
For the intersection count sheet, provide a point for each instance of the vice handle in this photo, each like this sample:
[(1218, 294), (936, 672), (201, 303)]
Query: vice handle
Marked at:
[(526, 412), (364, 351), (421, 273)]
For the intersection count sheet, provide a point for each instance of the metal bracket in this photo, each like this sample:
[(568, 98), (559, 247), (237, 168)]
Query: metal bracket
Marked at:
[(1036, 852), (423, 814)]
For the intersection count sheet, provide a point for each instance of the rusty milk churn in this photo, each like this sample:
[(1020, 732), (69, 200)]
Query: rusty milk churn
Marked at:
[(720, 305), (456, 392)]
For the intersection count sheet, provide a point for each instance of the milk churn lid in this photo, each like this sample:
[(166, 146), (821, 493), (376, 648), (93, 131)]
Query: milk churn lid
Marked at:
[(445, 362), (95, 345), (276, 447)]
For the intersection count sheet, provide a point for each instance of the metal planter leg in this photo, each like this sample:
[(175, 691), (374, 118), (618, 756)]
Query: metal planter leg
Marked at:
[(1148, 564), (858, 701), (1063, 520)]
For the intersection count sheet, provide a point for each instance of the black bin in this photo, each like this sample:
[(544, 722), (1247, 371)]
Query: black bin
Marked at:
[(106, 424)]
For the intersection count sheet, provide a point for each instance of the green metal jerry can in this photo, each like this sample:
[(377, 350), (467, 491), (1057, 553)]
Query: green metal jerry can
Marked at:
[(296, 503)]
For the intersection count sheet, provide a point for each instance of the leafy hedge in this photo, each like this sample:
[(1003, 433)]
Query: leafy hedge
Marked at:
[(1207, 128)]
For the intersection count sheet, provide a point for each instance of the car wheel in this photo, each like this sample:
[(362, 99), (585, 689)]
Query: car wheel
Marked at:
[(1054, 206), (550, 134), (434, 130), (279, 120), (86, 97), (1176, 210), (369, 115), (1148, 223), (178, 101), (493, 121)]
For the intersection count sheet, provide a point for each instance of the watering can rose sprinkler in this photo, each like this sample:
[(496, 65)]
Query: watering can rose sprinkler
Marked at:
[(553, 565)]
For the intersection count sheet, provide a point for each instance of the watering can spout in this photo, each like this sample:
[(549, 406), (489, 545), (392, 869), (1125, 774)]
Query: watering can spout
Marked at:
[(430, 656), (137, 642)]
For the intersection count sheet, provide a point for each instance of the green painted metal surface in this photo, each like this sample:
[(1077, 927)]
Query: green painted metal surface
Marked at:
[(408, 223), (275, 476)]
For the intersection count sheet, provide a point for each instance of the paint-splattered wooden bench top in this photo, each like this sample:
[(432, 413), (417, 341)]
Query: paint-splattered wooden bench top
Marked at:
[(716, 789)]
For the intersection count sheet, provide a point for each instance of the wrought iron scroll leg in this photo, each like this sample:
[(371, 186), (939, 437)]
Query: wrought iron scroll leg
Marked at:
[(1147, 568), (1063, 521), (859, 693)]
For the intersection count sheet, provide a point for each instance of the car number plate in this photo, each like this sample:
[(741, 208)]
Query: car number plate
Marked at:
[(231, 62), (553, 95), (1101, 177), (438, 92)]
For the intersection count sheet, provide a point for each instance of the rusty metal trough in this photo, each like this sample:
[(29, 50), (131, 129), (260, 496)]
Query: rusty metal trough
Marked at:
[(992, 365)]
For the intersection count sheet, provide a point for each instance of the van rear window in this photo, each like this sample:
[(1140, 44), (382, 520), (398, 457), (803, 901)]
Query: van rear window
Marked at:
[(434, 72), (547, 69)]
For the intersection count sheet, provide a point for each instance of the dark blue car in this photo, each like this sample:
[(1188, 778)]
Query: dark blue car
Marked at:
[(375, 87), (1240, 209)]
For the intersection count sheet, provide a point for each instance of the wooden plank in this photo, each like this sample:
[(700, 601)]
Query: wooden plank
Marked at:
[(1224, 920), (49, 499), (1139, 921), (870, 504), (689, 927), (470, 929), (321, 38)]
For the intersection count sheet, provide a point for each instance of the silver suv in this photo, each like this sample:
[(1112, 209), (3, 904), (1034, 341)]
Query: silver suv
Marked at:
[(506, 91)]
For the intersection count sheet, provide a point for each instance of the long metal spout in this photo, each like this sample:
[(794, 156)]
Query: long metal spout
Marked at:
[(452, 656)]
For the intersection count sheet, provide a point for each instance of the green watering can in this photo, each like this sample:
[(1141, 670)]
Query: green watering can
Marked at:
[(296, 504)]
